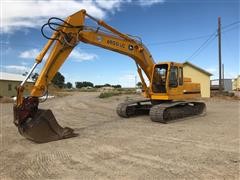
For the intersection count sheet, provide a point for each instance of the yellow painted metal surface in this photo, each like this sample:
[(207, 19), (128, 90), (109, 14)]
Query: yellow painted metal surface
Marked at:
[(188, 90)]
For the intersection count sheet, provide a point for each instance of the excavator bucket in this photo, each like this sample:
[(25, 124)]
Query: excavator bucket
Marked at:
[(43, 127)]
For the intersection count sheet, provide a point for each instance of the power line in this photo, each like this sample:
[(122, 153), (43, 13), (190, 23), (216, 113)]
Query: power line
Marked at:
[(203, 45), (148, 44), (210, 39), (193, 38), (230, 29), (181, 40), (226, 26)]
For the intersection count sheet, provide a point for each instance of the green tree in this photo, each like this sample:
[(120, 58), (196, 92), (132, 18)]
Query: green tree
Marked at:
[(98, 86), (78, 84), (83, 84), (25, 73), (87, 84), (69, 85), (35, 76), (117, 86), (58, 80), (139, 85), (107, 85)]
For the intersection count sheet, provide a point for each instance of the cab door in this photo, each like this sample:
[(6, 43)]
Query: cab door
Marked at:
[(175, 83)]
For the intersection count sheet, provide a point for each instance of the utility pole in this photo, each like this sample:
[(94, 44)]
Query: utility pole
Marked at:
[(135, 82), (219, 54), (223, 77)]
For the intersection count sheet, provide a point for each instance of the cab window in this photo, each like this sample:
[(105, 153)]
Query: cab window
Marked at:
[(173, 78), (159, 78)]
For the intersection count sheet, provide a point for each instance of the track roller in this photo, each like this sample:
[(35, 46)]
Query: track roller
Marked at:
[(165, 112)]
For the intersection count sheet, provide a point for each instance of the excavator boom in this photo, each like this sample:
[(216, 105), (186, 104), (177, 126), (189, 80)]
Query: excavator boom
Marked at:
[(40, 125), (166, 79)]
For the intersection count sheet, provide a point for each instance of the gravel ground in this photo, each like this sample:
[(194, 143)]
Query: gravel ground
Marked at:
[(109, 147)]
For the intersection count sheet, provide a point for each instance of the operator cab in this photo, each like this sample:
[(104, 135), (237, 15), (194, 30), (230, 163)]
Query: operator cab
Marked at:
[(166, 75)]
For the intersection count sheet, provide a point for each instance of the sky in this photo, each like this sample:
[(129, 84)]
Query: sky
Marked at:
[(173, 30)]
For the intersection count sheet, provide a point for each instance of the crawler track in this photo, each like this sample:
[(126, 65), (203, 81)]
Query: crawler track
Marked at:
[(170, 111), (162, 112), (134, 108)]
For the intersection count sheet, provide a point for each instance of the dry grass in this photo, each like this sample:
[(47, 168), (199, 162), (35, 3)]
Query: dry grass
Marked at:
[(117, 92), (109, 94), (6, 100), (224, 95)]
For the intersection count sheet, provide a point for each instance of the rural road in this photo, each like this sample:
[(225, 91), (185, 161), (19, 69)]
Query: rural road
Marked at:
[(109, 147)]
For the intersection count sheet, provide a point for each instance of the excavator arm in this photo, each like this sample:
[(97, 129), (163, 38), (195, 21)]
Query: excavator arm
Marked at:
[(66, 38), (40, 125)]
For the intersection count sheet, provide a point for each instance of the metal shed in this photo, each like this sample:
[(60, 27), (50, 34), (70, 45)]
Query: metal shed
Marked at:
[(9, 83), (198, 75), (227, 84)]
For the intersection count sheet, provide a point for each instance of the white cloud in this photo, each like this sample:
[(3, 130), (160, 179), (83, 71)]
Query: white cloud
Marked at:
[(4, 43), (16, 69), (150, 2), (215, 73), (78, 56), (24, 63), (108, 5), (29, 54), (211, 70), (17, 14), (127, 80), (6, 50), (32, 13), (230, 75), (130, 78)]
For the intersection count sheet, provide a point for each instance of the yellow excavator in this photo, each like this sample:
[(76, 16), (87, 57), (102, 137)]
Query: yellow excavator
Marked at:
[(167, 96)]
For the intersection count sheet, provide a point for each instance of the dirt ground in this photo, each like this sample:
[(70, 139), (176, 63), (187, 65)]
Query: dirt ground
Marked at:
[(109, 147)]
